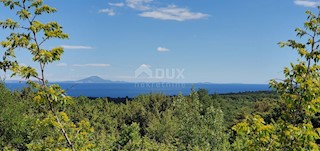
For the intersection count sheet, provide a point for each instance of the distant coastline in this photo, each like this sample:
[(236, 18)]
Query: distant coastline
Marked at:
[(131, 90), (99, 80)]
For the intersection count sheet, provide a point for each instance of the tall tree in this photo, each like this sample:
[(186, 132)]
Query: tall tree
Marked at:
[(29, 34), (300, 100)]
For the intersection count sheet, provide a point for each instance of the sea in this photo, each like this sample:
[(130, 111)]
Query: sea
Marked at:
[(131, 90)]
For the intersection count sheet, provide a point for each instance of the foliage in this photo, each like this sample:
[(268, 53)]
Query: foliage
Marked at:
[(148, 122), (43, 117), (13, 124), (292, 128), (29, 34)]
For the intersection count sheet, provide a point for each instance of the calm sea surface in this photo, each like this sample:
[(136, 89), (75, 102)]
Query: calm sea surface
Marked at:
[(134, 89)]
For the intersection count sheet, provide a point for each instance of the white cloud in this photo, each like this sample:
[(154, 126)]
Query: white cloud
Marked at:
[(152, 9), (307, 3), (173, 12), (108, 11), (62, 65), (91, 65), (139, 4), (116, 4), (23, 64), (76, 47), (162, 49)]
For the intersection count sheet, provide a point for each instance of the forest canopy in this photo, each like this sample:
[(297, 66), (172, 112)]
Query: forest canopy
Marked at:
[(43, 117)]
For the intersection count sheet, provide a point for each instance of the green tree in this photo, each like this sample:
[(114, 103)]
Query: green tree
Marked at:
[(29, 34), (13, 123), (300, 100), (199, 129)]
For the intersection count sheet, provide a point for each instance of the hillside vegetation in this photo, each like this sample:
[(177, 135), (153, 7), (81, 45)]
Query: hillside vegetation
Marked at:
[(44, 117), (148, 122)]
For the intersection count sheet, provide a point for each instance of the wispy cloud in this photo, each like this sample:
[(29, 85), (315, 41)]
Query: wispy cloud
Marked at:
[(307, 3), (62, 65), (23, 64), (153, 9), (76, 47), (139, 4), (116, 4), (173, 12), (108, 11), (163, 49), (91, 65), (83, 65)]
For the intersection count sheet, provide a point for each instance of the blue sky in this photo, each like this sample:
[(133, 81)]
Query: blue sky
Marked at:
[(210, 40)]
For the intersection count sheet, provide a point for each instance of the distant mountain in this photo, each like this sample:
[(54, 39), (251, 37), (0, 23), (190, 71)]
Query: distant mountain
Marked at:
[(93, 79)]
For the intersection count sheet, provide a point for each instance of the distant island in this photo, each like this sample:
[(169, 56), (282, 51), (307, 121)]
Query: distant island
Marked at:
[(93, 79), (97, 79)]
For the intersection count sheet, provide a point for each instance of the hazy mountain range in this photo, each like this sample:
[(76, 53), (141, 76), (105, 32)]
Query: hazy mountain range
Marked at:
[(97, 79), (93, 79)]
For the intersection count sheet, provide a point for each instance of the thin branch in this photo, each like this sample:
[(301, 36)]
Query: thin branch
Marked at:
[(34, 17), (44, 40), (61, 128)]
